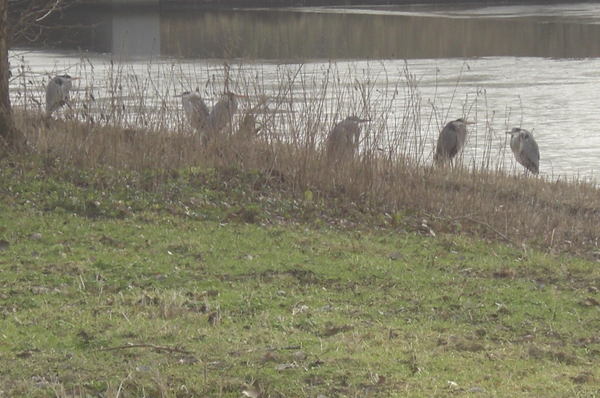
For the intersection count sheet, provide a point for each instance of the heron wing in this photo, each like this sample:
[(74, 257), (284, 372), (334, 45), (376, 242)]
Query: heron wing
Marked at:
[(447, 144), (200, 108), (343, 139), (351, 131), (530, 153), (220, 115), (54, 96), (199, 112)]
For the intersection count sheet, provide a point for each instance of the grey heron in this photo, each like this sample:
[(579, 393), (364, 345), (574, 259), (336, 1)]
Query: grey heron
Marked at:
[(223, 111), (195, 109), (525, 149), (451, 140), (343, 139), (57, 92)]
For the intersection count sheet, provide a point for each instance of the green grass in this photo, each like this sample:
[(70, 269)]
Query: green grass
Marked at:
[(135, 262), (214, 296)]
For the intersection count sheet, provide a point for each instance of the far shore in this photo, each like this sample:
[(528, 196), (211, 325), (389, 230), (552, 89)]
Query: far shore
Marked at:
[(212, 4)]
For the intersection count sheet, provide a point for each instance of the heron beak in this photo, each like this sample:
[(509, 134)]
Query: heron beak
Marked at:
[(470, 122), (76, 78)]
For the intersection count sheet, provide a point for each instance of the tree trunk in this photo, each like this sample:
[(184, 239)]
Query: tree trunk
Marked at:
[(11, 138)]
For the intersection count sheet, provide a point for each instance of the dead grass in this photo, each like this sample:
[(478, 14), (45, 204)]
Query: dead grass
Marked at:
[(392, 175)]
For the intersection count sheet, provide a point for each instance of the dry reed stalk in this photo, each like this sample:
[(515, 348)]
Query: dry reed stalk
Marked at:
[(281, 130)]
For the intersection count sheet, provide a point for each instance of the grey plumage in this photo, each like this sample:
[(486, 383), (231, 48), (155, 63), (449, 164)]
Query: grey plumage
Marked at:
[(344, 138), (525, 148), (196, 110), (223, 111), (57, 92), (451, 140)]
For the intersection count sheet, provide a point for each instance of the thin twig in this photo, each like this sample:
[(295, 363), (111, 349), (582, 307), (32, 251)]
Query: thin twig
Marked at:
[(500, 234), (473, 220), (121, 386), (147, 345), (49, 11), (289, 347)]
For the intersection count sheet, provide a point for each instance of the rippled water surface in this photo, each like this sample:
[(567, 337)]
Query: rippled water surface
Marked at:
[(507, 82)]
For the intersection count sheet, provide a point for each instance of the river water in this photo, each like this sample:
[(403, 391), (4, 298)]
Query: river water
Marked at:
[(409, 69)]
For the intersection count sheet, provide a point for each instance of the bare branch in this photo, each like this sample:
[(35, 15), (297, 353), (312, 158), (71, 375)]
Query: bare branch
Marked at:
[(146, 345), (50, 11), (26, 15), (500, 234)]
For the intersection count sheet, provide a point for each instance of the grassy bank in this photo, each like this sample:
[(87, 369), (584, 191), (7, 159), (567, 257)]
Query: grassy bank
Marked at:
[(218, 283), (139, 262), (164, 305), (126, 129)]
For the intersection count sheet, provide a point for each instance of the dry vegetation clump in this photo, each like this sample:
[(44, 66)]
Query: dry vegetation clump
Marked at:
[(281, 136)]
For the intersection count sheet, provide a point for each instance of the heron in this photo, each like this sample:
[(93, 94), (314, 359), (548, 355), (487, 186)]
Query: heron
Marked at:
[(343, 139), (223, 111), (248, 128), (196, 110), (451, 140), (525, 149), (57, 92)]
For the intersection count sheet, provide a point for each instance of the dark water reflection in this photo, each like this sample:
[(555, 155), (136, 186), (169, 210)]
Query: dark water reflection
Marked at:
[(313, 33), (290, 35)]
